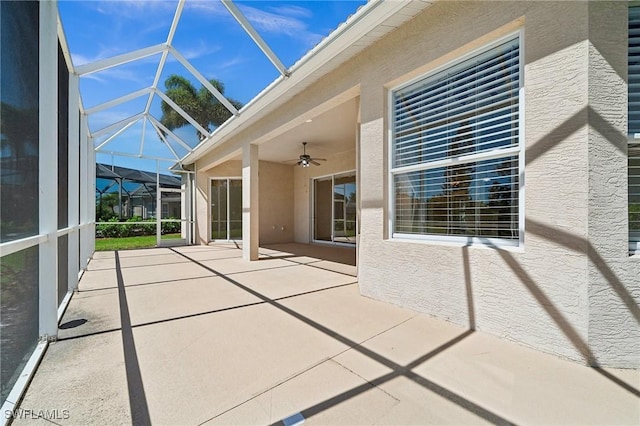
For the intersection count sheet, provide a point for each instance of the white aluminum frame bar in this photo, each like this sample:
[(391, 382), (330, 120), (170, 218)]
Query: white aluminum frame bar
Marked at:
[(10, 247), (20, 386), (74, 181), (85, 196), (92, 204), (242, 20), (182, 112), (114, 61), (62, 38), (48, 171), (158, 206), (130, 155), (206, 83), (144, 131), (163, 58), (169, 132), (122, 99), (116, 126), (113, 136), (163, 139)]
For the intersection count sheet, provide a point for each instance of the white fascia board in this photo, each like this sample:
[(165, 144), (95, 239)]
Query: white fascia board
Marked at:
[(116, 126), (363, 22), (182, 112), (120, 59), (219, 96), (244, 23), (118, 101)]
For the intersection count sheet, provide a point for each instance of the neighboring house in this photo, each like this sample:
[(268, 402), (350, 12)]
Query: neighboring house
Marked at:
[(496, 187), (138, 191)]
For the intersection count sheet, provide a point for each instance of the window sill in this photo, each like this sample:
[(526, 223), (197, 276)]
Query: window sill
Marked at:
[(485, 243)]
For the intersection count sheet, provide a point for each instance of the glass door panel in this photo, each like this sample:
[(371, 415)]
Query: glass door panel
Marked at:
[(344, 209), (171, 215), (235, 209), (322, 210), (334, 208), (226, 209)]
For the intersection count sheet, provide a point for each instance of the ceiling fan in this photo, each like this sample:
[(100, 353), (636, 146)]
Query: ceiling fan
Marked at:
[(305, 160)]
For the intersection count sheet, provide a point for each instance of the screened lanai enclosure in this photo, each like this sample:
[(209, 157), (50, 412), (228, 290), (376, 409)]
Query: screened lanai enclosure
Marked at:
[(83, 141), (129, 203)]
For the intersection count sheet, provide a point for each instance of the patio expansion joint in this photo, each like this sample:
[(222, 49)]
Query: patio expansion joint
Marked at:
[(197, 314), (317, 364)]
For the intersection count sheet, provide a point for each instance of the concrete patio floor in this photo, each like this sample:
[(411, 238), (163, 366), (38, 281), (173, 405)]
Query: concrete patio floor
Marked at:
[(195, 335)]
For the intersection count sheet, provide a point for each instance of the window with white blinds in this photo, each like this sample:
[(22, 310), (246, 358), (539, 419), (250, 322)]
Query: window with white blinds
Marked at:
[(634, 128), (455, 150)]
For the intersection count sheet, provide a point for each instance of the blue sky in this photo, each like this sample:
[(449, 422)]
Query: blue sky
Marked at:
[(208, 36)]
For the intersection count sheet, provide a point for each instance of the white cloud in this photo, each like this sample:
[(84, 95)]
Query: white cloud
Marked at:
[(199, 49), (133, 9), (103, 119), (292, 11), (210, 7), (231, 62), (274, 23)]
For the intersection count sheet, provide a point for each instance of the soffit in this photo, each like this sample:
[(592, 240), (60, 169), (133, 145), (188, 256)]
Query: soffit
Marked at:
[(370, 23)]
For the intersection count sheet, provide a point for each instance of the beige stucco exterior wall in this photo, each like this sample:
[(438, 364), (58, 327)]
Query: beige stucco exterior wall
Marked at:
[(276, 203), (614, 277), (572, 290), (551, 294), (303, 179), (276, 200)]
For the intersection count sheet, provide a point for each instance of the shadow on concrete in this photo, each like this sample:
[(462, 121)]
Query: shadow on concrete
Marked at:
[(331, 253), (72, 324), (554, 313), (397, 369), (137, 397)]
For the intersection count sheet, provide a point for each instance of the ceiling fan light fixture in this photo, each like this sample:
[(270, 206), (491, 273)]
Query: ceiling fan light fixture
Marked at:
[(305, 160)]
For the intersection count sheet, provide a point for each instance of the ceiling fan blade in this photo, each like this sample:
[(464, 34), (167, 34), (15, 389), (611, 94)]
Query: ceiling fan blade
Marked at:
[(314, 162), (319, 159)]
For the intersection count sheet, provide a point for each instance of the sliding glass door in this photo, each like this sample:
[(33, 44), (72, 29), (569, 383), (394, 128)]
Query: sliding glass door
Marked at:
[(226, 209), (334, 208)]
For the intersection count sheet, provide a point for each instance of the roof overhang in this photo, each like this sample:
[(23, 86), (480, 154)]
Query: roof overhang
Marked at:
[(369, 24)]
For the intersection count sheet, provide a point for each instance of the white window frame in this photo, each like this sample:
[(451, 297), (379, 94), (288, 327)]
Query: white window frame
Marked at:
[(501, 153)]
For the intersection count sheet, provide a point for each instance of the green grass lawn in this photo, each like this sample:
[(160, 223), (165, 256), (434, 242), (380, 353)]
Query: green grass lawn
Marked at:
[(145, 241)]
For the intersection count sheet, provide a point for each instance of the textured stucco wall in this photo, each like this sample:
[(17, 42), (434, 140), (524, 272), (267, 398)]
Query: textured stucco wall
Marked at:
[(572, 290), (302, 178), (276, 200), (614, 277), (536, 294), (276, 203)]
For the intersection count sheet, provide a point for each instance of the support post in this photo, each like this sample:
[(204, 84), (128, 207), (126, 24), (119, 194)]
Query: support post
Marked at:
[(250, 207), (48, 171), (85, 196), (74, 181)]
